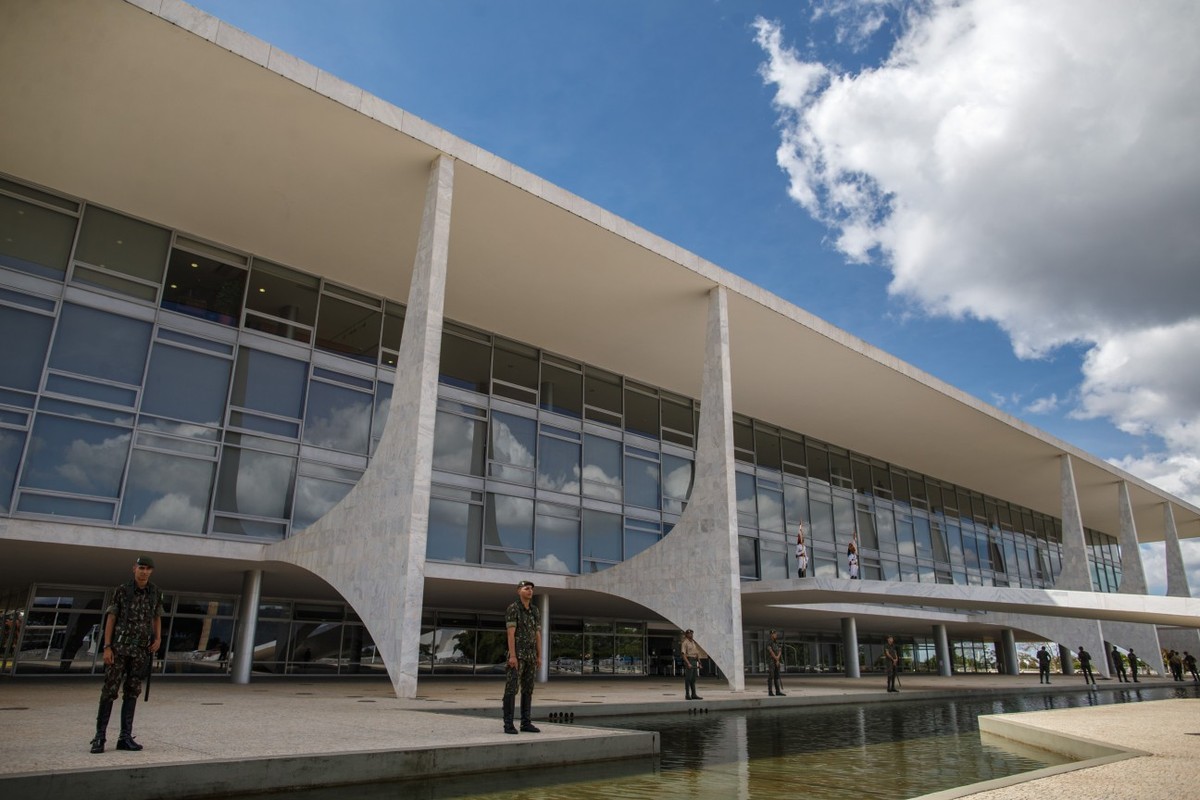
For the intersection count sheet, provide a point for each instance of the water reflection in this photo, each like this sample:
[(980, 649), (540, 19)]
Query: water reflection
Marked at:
[(892, 750)]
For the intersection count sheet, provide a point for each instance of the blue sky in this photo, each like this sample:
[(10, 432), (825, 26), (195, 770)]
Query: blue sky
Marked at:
[(1036, 162)]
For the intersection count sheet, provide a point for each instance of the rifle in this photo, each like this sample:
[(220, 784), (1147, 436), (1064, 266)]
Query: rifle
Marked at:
[(149, 672)]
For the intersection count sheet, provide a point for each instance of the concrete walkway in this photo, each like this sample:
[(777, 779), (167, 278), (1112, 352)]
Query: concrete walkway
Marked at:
[(206, 737)]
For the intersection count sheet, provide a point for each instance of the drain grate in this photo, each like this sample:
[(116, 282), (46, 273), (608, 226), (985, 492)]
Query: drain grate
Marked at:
[(15, 708)]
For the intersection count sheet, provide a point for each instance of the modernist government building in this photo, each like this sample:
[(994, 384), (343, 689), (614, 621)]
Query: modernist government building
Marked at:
[(348, 378)]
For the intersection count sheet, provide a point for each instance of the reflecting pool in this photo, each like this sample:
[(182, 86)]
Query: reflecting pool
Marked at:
[(893, 750)]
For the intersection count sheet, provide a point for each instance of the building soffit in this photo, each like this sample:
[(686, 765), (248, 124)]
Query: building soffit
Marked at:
[(264, 153)]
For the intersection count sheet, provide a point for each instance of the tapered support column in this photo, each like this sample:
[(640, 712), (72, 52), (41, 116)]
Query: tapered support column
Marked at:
[(243, 648), (1066, 659), (1075, 575), (941, 642), (1177, 584), (850, 646), (1140, 637)]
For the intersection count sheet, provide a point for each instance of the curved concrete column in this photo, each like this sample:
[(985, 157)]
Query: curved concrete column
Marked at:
[(850, 647), (1133, 575), (1075, 573), (692, 577), (1177, 585), (371, 546), (941, 643), (1068, 632), (1008, 641)]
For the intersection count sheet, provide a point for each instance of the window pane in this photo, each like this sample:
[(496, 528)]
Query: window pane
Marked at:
[(558, 465), (601, 468), (270, 383), (102, 345), (637, 540), (204, 287), (766, 449), (642, 483), (34, 239), (602, 390), (677, 482), (557, 540), (11, 445), (70, 455), (641, 414), (601, 535), (254, 483), (21, 367), (509, 522), (458, 444), (748, 556), (285, 296), (678, 417), (512, 447), (314, 498), (122, 244), (337, 418), (454, 531), (466, 363), (747, 507), (349, 329), (167, 492), (562, 390), (393, 327), (515, 364), (770, 508), (186, 385)]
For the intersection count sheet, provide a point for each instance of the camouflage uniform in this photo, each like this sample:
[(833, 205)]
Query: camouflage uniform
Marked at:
[(527, 623), (134, 611)]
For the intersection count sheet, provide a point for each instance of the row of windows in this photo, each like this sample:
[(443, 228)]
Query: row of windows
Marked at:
[(141, 418)]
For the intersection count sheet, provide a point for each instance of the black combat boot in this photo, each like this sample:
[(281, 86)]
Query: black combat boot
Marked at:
[(509, 702), (527, 725), (126, 742), (102, 715)]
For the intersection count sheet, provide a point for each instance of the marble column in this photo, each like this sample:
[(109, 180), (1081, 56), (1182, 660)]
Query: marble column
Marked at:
[(370, 547), (1075, 575), (1012, 665), (1177, 584), (243, 647), (1140, 637), (941, 642), (850, 647), (1066, 659)]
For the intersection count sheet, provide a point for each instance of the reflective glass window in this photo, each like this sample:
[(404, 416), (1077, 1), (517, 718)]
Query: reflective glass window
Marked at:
[(796, 501), (642, 482), (122, 244), (466, 361), (766, 448), (11, 444), (561, 390), (184, 384), (844, 519), (794, 458), (383, 404), (641, 413), (640, 535), (512, 445), (34, 239), (770, 506), (509, 522), (821, 527), (818, 463), (601, 468), (268, 382), (255, 483), (314, 498), (558, 460), (349, 328), (73, 455), (515, 371), (866, 529), (602, 396), (885, 529), (99, 510), (677, 482), (455, 530), (601, 535), (905, 536), (748, 556), (774, 561), (337, 417), (743, 439), (101, 345), (556, 539), (281, 301), (393, 328), (459, 443), (204, 287), (21, 367), (166, 492), (678, 422), (747, 508)]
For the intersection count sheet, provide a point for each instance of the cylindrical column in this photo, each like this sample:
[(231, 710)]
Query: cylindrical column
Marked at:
[(1068, 661), (941, 642), (850, 647), (243, 648), (1011, 665), (544, 613)]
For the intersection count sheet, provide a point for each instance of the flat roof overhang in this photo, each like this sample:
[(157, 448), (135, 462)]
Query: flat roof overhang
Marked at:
[(237, 142)]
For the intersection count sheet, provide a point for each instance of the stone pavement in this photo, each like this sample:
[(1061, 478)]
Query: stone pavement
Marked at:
[(205, 737)]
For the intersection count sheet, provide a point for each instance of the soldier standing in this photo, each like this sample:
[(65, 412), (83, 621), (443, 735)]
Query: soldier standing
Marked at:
[(774, 664), (524, 627), (132, 634)]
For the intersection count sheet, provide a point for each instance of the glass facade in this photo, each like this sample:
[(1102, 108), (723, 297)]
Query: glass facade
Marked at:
[(174, 385)]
